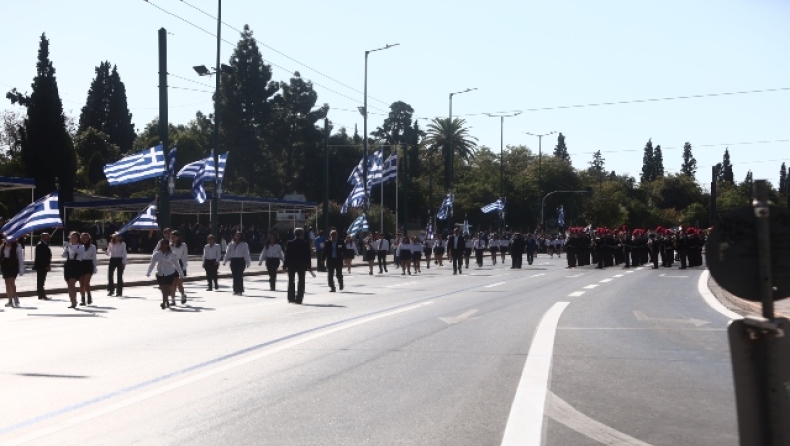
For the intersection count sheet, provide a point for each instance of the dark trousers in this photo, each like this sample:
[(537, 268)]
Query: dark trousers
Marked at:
[(458, 261), (654, 257), (479, 256), (115, 263), (334, 267), (682, 254), (271, 267), (321, 260), (211, 268), (41, 278), (530, 256), (295, 295), (237, 267), (517, 259), (627, 257), (571, 256), (670, 256), (382, 256)]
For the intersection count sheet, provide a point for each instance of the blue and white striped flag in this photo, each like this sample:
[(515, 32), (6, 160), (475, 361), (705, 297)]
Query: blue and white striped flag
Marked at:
[(145, 220), (223, 161), (171, 161), (42, 214), (197, 184), (498, 205), (374, 170), (149, 163), (429, 230), (561, 217), (356, 199), (358, 225), (447, 205), (466, 227), (191, 170), (390, 168)]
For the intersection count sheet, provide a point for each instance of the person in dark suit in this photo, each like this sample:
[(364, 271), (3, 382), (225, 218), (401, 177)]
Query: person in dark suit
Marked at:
[(517, 250), (42, 265), (334, 253), (297, 262), (455, 246)]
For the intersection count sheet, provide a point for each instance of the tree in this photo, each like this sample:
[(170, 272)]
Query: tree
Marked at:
[(783, 179), (658, 163), (647, 163), (93, 146), (689, 166), (441, 131), (106, 108), (46, 148), (726, 168), (597, 166), (94, 112), (560, 150)]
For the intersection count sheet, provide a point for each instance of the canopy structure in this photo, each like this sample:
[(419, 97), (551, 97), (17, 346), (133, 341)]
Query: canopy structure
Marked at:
[(13, 183)]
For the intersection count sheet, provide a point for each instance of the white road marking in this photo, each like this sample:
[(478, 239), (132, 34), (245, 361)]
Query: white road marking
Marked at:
[(629, 272), (618, 275), (538, 275), (702, 287), (577, 275), (589, 287), (76, 420), (494, 284), (525, 423), (605, 280), (564, 413), (460, 318), (674, 277), (576, 294), (642, 317)]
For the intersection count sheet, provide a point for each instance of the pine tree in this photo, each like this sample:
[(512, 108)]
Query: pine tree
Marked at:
[(726, 165), (658, 163), (560, 150), (597, 166), (647, 163), (46, 147), (783, 179), (689, 166)]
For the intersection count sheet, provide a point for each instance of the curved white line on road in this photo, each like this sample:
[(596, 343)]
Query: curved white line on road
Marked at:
[(710, 299), (525, 423)]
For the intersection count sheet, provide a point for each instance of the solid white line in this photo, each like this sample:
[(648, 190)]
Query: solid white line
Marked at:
[(525, 423), (605, 280), (494, 284), (576, 294), (702, 287), (71, 422), (589, 287)]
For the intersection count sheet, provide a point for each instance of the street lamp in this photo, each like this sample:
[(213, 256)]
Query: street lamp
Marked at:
[(501, 153), (540, 165), (365, 126), (448, 171)]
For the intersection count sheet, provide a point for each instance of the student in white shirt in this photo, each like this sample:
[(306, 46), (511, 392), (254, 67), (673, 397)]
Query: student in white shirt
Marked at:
[(238, 254), (72, 269), (167, 269), (179, 249), (88, 258), (404, 252), (416, 254), (212, 255), (350, 252), (493, 246), (479, 247), (468, 249), (428, 249), (272, 254), (504, 247), (116, 249), (382, 249), (439, 249), (12, 264)]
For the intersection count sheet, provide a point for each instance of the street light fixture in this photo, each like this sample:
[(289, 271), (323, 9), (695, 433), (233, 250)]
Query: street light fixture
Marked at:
[(540, 165), (448, 171), (365, 126)]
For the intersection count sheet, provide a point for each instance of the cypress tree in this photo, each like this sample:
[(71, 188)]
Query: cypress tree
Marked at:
[(783, 179), (726, 166), (46, 148), (94, 113), (119, 119), (658, 163), (560, 150), (689, 166), (647, 163)]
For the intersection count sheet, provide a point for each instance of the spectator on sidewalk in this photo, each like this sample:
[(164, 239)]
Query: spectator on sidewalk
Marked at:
[(42, 265)]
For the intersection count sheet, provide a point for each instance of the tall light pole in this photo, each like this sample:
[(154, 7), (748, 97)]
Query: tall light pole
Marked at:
[(540, 166), (448, 171), (365, 127), (501, 156)]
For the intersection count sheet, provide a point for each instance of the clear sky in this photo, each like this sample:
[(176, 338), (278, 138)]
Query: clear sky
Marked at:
[(520, 55)]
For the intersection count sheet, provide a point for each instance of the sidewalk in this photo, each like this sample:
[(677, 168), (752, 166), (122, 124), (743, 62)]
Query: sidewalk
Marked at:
[(781, 308)]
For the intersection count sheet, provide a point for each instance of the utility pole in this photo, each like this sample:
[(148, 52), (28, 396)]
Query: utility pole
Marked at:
[(217, 188), (714, 174), (326, 178), (164, 194), (540, 170)]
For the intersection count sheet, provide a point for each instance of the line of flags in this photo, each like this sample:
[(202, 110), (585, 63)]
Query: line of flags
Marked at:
[(145, 220), (379, 172), (149, 163), (42, 214)]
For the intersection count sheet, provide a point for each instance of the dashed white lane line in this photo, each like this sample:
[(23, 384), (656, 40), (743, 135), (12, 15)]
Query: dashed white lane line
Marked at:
[(605, 280), (618, 275), (576, 294), (538, 275), (494, 284), (525, 423), (629, 272), (589, 287), (576, 275)]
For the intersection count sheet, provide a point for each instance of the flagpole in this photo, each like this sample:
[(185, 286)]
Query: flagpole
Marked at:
[(397, 174), (381, 204)]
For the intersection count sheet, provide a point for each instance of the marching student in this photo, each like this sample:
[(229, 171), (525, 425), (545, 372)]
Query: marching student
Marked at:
[(479, 246), (88, 259), (116, 249), (167, 269), (504, 247), (238, 254), (12, 264), (493, 247), (335, 252), (370, 250), (468, 250), (382, 249), (404, 252), (455, 246), (42, 265), (212, 255), (72, 269), (297, 262), (179, 249), (429, 247), (349, 252), (272, 254), (395, 251), (416, 253), (531, 248), (440, 247)]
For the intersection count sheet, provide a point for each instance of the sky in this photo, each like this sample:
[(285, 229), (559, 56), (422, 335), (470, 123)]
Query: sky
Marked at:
[(525, 55)]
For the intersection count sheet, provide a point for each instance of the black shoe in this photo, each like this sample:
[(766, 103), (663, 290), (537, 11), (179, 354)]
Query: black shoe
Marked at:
[(163, 305), (119, 294), (209, 289), (332, 290), (82, 303), (90, 299), (341, 287), (109, 293)]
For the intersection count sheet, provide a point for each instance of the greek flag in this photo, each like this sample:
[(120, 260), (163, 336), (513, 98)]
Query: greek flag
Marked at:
[(429, 230), (447, 205), (356, 199), (466, 227), (374, 170), (358, 225), (145, 220), (171, 161), (498, 205), (191, 169), (561, 217), (149, 163), (44, 213), (197, 184), (390, 168)]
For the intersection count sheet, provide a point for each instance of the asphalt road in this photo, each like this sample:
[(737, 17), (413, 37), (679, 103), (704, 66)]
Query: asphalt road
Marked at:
[(634, 358)]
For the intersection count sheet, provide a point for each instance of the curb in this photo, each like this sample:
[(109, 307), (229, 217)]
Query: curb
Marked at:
[(736, 303)]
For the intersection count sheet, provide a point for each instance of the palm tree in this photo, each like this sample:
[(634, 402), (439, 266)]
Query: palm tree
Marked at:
[(464, 145)]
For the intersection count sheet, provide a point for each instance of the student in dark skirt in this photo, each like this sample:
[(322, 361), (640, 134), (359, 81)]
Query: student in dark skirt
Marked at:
[(504, 247), (468, 250), (493, 246), (404, 249), (370, 251), (12, 264), (479, 248), (88, 260), (438, 250), (416, 253), (427, 250), (349, 252), (72, 269), (167, 269)]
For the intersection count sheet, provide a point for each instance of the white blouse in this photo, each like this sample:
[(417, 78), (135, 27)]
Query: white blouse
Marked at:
[(351, 246), (274, 251), (89, 254), (479, 244), (20, 257), (73, 252), (238, 251), (181, 253), (212, 252), (166, 264), (117, 250)]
